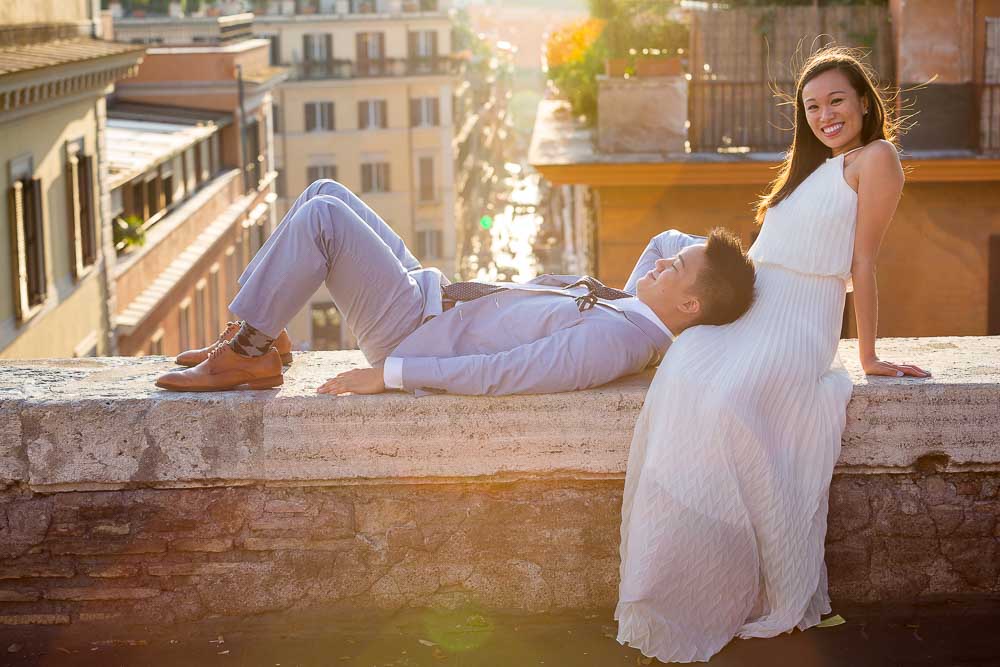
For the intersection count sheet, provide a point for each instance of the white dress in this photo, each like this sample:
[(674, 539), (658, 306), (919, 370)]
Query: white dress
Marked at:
[(725, 504)]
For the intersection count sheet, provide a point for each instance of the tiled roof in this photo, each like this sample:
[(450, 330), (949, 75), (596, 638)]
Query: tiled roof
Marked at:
[(29, 57)]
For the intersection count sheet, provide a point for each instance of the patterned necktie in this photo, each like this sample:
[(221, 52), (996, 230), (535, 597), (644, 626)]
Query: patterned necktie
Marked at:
[(470, 291)]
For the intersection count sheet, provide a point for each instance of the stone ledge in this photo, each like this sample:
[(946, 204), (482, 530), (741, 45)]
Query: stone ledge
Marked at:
[(96, 424)]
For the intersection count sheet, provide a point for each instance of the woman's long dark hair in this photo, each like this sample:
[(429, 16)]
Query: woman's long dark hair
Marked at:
[(807, 151)]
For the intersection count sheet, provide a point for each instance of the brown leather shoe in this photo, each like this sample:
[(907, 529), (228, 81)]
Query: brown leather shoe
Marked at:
[(194, 357), (225, 369)]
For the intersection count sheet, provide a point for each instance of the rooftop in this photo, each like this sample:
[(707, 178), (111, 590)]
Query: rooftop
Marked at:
[(31, 57), (135, 146)]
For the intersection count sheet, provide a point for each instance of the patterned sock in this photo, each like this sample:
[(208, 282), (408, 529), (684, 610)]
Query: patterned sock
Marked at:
[(250, 342)]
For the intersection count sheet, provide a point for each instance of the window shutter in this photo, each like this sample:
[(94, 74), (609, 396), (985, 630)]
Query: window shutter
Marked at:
[(411, 44), (328, 120), (310, 117), (75, 222), (366, 178), (307, 48), (414, 112), (360, 46), (434, 44), (385, 177), (435, 112), (383, 113), (328, 44), (380, 45), (34, 239), (16, 200), (362, 114), (88, 219)]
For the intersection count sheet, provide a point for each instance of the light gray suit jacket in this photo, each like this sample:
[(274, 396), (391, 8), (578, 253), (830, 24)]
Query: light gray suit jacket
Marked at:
[(532, 337)]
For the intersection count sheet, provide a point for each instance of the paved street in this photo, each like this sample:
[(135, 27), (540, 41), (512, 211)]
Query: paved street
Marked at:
[(939, 635)]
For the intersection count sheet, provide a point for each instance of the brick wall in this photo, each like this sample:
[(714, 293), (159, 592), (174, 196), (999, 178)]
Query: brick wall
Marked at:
[(169, 555)]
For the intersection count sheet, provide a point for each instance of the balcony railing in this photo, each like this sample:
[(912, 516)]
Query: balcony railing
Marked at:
[(989, 118), (385, 67), (738, 116)]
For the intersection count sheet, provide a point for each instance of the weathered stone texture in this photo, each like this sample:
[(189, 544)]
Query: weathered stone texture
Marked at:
[(65, 424), (532, 546)]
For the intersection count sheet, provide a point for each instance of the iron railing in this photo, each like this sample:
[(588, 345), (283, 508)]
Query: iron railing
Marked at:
[(382, 67), (989, 118), (738, 116)]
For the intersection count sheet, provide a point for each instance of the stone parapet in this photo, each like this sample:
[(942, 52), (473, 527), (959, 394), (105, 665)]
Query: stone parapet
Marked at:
[(122, 501)]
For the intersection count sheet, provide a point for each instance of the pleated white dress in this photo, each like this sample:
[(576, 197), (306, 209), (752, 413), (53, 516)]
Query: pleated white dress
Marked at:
[(725, 505)]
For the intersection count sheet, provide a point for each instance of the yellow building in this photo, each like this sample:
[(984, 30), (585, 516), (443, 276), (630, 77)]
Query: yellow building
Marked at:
[(368, 103), (55, 72)]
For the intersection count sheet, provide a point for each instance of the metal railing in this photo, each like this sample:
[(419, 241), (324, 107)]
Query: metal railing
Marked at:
[(384, 67), (738, 116), (989, 118)]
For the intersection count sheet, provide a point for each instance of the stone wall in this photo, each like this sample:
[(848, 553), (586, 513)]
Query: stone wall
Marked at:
[(120, 502), (167, 555)]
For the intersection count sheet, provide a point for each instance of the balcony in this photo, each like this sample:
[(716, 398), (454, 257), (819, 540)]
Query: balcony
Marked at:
[(349, 7), (384, 67)]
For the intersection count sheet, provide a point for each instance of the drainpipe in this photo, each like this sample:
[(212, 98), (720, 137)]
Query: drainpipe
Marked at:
[(242, 125)]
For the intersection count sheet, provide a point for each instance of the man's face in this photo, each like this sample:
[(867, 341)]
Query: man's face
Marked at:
[(671, 283)]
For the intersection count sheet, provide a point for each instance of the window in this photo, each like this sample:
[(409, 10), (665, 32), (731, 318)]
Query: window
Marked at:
[(319, 117), (275, 49), (375, 177), (424, 112), (215, 160), (423, 44), (426, 172), (154, 203), (184, 324), (276, 118), (198, 169), (167, 183), (320, 172), (82, 223), (317, 47), (205, 160), (326, 323), (370, 53), (422, 50), (253, 161), (190, 171), (156, 343), (372, 114), (429, 243), (26, 215)]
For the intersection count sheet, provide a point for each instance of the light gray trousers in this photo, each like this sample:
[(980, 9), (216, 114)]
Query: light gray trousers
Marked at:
[(329, 235)]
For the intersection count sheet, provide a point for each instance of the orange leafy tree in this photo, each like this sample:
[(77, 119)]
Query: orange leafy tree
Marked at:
[(575, 55)]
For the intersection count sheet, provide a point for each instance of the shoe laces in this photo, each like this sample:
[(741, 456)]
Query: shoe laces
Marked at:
[(217, 350)]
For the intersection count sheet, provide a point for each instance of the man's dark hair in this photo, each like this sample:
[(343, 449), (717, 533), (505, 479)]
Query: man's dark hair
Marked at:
[(725, 283)]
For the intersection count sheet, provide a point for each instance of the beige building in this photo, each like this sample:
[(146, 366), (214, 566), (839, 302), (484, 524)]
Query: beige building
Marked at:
[(55, 72), (368, 103)]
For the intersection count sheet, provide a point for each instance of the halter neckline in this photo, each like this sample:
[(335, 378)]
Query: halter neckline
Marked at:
[(845, 153)]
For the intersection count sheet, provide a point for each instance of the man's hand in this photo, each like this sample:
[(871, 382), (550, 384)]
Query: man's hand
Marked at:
[(356, 381)]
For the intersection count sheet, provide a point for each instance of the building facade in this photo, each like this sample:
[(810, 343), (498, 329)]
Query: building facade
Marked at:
[(193, 173), (55, 72), (368, 103)]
